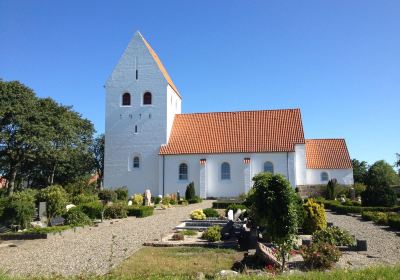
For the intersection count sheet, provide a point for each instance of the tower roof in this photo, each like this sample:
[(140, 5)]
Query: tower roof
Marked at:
[(327, 153), (159, 64)]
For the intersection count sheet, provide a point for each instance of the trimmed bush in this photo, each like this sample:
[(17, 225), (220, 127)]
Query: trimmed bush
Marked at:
[(223, 204), (210, 212), (56, 198), (334, 236), (141, 211), (212, 234), (315, 218), (19, 208), (190, 192), (198, 215), (93, 210), (116, 211), (301, 213), (84, 198), (137, 199), (380, 218), (122, 193), (320, 255), (394, 221), (343, 209), (75, 217), (196, 199), (107, 195)]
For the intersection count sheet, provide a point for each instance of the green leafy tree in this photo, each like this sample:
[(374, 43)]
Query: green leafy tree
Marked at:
[(381, 174), (360, 170), (20, 129), (19, 208), (273, 204)]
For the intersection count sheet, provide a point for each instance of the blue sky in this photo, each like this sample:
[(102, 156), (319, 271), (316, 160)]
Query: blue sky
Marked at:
[(339, 61)]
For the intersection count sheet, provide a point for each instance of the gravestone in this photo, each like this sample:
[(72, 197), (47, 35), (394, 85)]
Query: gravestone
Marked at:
[(267, 255), (230, 215), (147, 198), (226, 230), (43, 212), (57, 221), (352, 194), (129, 202)]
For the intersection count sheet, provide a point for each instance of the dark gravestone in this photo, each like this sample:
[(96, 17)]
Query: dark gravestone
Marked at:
[(226, 230), (306, 242), (57, 221), (362, 245)]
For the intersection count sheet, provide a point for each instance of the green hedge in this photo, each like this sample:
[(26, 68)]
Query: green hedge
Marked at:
[(93, 209), (223, 204), (344, 209), (394, 221), (141, 211)]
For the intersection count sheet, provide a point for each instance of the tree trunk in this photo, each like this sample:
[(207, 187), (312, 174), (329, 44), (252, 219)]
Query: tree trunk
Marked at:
[(11, 183), (53, 171), (283, 260)]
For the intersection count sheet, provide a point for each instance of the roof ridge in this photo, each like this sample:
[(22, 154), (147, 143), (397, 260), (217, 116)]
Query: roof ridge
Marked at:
[(159, 64), (313, 139), (244, 111)]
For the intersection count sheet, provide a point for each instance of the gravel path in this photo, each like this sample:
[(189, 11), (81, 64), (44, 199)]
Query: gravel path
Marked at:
[(383, 244), (91, 250)]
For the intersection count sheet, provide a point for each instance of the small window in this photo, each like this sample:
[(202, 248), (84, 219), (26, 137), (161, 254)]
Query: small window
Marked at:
[(135, 128), (126, 99), (268, 167), (225, 171), (136, 162), (147, 98), (324, 177), (137, 74), (183, 171)]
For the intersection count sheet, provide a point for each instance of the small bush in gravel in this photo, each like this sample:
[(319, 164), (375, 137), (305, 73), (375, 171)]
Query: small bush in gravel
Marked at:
[(315, 218), (157, 200), (394, 221), (84, 198), (122, 193), (19, 208), (116, 211), (93, 210), (198, 215), (183, 202), (334, 236), (211, 213), (178, 236), (75, 217), (190, 192), (137, 199), (107, 195), (166, 200), (212, 234), (320, 255)]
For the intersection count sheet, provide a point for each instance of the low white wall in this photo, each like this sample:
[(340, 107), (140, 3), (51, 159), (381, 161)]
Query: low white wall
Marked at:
[(343, 176)]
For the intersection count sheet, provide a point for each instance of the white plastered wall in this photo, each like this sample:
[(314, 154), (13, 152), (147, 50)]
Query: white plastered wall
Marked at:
[(343, 176)]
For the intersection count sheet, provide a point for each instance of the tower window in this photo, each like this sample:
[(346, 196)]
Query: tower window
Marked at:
[(126, 99), (183, 171), (136, 162), (225, 171), (137, 74), (147, 98), (268, 167), (135, 128)]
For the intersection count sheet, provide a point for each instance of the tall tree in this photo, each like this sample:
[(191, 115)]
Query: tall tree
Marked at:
[(98, 156), (381, 174), (360, 170), (20, 128)]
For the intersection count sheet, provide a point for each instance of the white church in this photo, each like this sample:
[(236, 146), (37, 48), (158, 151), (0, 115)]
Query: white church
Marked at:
[(150, 144)]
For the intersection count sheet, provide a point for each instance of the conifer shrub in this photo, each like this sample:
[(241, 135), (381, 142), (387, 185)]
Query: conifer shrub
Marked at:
[(315, 218), (190, 193), (331, 189)]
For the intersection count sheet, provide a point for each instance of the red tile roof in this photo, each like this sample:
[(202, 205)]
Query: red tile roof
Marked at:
[(327, 153), (160, 66), (235, 132)]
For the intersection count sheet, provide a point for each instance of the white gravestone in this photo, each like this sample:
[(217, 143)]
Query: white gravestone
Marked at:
[(147, 198), (230, 215)]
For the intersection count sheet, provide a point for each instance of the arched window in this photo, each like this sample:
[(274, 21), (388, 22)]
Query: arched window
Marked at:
[(225, 171), (136, 162), (324, 177), (183, 171), (147, 98), (126, 99), (268, 167)]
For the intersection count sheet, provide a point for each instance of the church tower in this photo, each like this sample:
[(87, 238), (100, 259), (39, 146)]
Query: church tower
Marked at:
[(141, 102)]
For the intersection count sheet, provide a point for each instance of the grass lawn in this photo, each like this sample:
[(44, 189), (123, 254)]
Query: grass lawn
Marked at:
[(156, 262)]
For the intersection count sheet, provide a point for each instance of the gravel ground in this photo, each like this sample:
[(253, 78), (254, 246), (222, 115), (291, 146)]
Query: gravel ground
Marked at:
[(91, 250), (383, 244)]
